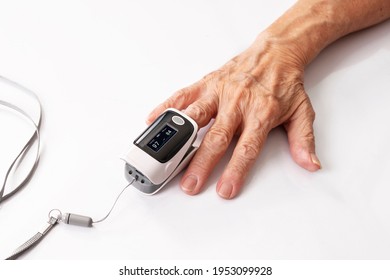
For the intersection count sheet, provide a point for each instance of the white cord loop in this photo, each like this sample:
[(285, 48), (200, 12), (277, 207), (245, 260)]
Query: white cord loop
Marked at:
[(34, 138), (55, 215)]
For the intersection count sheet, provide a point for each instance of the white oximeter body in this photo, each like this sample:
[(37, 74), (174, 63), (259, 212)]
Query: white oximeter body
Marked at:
[(161, 151)]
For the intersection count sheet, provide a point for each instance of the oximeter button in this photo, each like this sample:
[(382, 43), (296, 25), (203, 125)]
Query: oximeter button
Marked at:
[(178, 120)]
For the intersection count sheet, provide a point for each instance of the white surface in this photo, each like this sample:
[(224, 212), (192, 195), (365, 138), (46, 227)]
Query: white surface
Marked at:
[(101, 66)]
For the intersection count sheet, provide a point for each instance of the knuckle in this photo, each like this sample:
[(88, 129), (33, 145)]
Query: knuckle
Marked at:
[(269, 113), (256, 126), (217, 139), (180, 97), (249, 150), (311, 114), (309, 136), (244, 157), (198, 111), (273, 105), (305, 103), (308, 111)]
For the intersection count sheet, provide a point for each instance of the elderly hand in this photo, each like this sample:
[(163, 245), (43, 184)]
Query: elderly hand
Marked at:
[(263, 88), (254, 92)]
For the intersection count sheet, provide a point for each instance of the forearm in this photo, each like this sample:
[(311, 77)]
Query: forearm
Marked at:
[(310, 25)]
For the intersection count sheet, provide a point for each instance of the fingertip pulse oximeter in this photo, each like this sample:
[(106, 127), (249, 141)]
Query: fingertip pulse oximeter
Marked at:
[(161, 151)]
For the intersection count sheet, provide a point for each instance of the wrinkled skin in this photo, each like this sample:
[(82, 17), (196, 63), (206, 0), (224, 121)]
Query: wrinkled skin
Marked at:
[(263, 88), (254, 92)]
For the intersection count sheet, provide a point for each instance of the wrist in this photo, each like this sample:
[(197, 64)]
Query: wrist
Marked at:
[(311, 25), (304, 30)]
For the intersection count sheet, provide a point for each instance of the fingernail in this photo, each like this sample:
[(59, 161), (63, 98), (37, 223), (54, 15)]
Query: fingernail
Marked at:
[(225, 190), (189, 183), (315, 160)]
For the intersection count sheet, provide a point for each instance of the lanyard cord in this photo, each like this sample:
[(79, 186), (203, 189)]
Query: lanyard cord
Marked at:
[(35, 137), (67, 218)]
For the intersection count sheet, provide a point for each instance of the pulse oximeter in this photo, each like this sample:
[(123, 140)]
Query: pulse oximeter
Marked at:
[(161, 151)]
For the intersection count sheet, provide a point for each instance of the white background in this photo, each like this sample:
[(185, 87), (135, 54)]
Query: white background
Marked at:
[(99, 67)]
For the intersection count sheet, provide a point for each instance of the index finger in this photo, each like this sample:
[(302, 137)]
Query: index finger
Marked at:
[(179, 100)]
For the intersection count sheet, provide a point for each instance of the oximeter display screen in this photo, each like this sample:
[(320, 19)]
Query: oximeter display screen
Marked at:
[(161, 138), (164, 138)]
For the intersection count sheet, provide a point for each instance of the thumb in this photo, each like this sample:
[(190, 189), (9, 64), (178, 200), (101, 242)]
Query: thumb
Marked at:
[(301, 137)]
